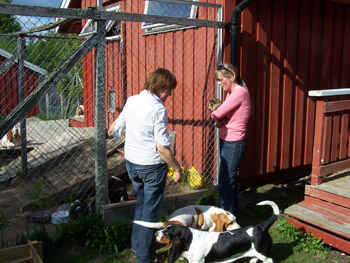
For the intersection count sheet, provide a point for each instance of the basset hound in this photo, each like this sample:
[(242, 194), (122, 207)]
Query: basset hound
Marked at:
[(203, 217), (200, 246)]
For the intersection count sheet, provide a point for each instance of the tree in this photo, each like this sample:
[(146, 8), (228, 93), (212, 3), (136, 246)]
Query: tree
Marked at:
[(8, 24), (48, 53)]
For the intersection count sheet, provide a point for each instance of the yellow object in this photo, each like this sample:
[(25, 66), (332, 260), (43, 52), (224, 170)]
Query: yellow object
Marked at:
[(194, 178), (171, 172)]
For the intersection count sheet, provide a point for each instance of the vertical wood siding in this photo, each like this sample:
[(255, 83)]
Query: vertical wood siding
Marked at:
[(288, 48), (9, 97)]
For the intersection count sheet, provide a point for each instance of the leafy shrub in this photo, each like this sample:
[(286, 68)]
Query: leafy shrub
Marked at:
[(112, 239), (209, 198)]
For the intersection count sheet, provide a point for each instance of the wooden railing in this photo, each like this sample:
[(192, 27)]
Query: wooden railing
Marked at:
[(331, 151)]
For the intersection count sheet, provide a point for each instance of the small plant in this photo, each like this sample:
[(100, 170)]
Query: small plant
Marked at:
[(4, 223), (38, 197), (312, 244)]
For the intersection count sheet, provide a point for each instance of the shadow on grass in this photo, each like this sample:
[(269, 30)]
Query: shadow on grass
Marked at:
[(282, 251)]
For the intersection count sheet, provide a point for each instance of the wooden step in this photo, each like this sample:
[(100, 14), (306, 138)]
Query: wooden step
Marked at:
[(325, 220), (331, 193)]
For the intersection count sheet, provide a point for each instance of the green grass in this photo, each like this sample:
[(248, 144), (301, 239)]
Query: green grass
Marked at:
[(89, 241)]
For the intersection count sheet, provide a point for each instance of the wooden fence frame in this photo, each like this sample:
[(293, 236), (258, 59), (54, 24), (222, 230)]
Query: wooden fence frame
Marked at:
[(331, 152)]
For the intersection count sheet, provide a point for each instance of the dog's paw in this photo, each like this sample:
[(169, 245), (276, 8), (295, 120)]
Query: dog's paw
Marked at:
[(214, 103)]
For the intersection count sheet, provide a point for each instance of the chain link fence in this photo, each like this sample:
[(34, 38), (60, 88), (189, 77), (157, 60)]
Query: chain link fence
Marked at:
[(54, 113)]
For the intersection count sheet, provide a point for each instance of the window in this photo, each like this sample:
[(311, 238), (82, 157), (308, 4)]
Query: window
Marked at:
[(175, 9), (111, 101), (112, 26)]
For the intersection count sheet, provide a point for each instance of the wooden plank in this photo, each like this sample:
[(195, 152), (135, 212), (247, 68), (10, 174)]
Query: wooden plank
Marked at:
[(345, 76), (34, 253), (263, 58), (320, 220), (338, 186), (334, 211), (328, 238), (327, 47), (327, 139), (22, 253), (277, 44), (337, 38), (125, 210), (14, 253), (335, 106), (327, 196), (105, 15), (249, 71), (314, 79), (344, 136), (328, 169), (318, 138), (289, 79), (334, 154), (302, 80)]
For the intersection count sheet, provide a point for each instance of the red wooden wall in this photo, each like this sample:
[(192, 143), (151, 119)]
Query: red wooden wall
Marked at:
[(9, 96), (286, 48)]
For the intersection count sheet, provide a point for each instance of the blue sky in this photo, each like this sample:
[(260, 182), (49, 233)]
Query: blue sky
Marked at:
[(29, 22), (51, 3)]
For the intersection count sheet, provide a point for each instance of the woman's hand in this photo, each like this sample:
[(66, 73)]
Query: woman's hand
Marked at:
[(220, 122)]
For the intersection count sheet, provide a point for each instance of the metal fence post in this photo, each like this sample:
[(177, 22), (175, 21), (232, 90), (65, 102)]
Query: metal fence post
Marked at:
[(21, 93), (101, 182)]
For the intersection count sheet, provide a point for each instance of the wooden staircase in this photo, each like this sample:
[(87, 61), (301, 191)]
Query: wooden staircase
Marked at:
[(325, 211)]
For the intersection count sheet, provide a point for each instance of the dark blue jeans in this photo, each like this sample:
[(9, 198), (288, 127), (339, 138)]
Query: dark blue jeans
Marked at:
[(231, 154), (149, 183)]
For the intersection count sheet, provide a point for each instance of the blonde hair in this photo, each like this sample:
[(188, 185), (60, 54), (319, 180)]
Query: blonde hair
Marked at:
[(227, 70), (160, 80)]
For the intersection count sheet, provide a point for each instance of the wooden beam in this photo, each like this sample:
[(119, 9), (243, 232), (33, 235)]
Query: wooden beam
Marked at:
[(328, 169), (94, 13)]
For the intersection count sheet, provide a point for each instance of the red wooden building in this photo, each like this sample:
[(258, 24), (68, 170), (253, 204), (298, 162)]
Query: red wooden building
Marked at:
[(9, 90), (285, 48)]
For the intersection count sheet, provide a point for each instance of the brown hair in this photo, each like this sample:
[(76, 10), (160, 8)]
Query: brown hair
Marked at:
[(159, 80)]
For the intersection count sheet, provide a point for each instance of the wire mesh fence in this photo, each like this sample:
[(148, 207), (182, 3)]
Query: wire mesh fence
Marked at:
[(50, 102)]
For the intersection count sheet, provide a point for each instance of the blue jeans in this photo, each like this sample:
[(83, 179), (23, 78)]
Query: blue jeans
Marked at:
[(149, 183), (231, 154)]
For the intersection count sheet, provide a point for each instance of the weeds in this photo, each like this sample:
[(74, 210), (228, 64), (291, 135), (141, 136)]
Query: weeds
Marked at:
[(307, 241)]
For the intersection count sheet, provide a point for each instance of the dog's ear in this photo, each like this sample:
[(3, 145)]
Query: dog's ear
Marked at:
[(175, 249)]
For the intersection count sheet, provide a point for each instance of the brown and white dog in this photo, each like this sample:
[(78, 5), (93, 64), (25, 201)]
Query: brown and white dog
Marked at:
[(203, 217), (200, 246), (12, 138)]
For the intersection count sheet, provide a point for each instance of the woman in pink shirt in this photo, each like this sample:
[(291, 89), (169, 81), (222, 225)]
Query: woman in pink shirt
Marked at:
[(231, 118)]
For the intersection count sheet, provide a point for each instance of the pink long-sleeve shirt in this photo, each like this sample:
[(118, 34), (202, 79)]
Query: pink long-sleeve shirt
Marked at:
[(236, 108)]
